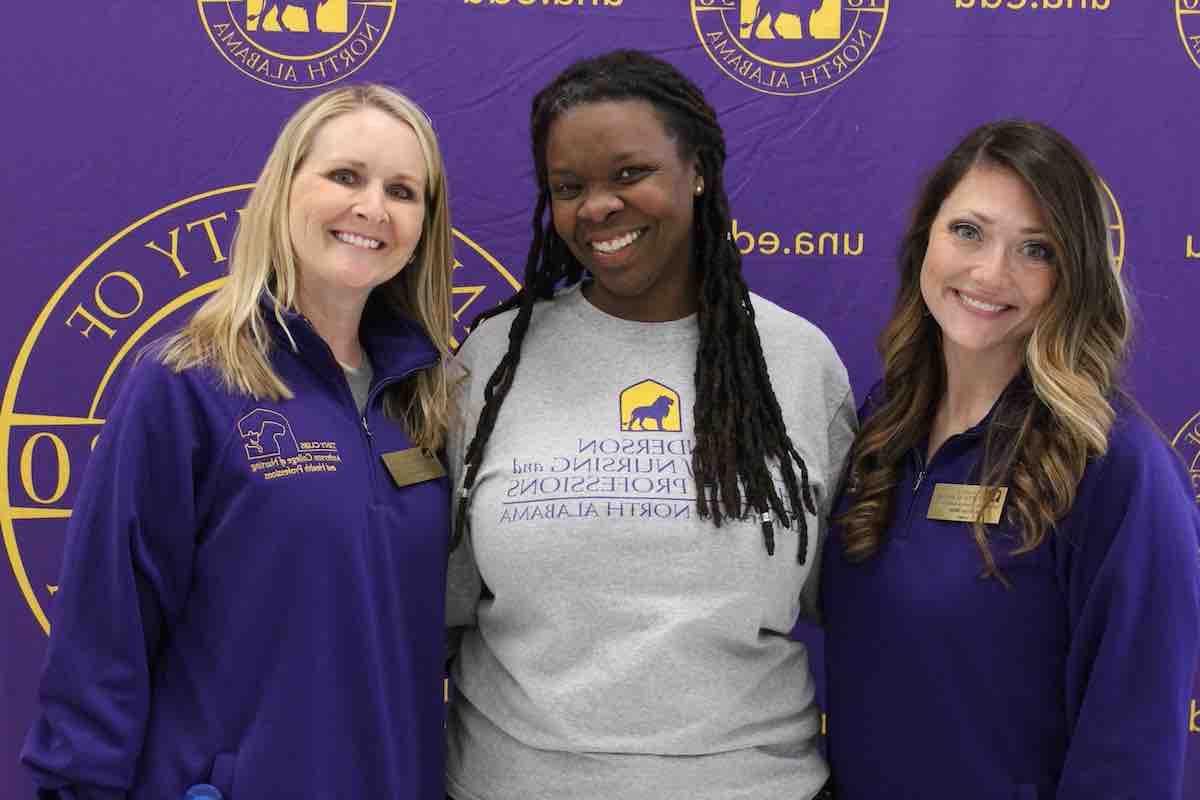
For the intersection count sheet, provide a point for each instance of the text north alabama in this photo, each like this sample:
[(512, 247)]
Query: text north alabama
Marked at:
[(318, 69), (829, 69)]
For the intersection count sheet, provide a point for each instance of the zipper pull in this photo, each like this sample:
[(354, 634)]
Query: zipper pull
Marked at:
[(366, 427), (920, 477)]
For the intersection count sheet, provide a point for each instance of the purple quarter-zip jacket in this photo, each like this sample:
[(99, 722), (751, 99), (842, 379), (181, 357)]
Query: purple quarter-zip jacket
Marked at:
[(249, 598), (1071, 685)]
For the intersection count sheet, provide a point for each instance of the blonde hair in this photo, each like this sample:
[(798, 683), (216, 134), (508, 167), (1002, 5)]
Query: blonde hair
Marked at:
[(229, 333), (1057, 413)]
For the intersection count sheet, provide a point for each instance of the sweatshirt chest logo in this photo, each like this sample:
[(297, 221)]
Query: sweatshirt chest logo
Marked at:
[(642, 474), (650, 406), (267, 434), (274, 452)]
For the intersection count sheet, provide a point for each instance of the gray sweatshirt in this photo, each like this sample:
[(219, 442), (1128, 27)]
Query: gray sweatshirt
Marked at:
[(613, 643)]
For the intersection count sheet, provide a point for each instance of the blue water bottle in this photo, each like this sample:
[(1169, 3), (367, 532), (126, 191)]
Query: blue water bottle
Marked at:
[(203, 791)]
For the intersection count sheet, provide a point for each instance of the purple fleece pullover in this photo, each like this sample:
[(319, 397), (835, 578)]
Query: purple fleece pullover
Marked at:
[(249, 599), (1071, 685)]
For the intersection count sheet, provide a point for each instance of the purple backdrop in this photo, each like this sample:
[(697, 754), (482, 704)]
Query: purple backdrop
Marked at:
[(135, 129)]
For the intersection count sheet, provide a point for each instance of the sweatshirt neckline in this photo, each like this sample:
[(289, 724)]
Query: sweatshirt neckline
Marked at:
[(676, 331)]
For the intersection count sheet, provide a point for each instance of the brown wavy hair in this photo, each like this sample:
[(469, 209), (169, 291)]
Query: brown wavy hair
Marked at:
[(1057, 413)]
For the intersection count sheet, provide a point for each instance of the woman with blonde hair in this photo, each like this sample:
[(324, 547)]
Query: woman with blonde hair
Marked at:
[(252, 586), (1011, 597)]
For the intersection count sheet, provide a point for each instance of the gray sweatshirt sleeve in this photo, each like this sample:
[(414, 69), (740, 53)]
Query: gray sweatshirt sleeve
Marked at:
[(463, 583), (843, 425)]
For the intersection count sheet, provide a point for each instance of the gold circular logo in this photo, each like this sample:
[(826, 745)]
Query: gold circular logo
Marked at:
[(1187, 444), (1116, 227), (144, 281), (475, 286), (789, 47), (297, 44), (1187, 19)]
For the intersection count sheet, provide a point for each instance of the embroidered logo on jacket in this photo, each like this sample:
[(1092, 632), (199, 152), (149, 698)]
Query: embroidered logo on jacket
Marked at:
[(267, 434), (274, 452)]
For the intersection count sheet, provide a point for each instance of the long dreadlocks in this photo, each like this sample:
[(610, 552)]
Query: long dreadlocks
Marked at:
[(738, 424)]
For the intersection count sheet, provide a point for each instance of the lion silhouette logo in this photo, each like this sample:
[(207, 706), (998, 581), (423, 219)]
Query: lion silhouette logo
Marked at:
[(266, 434), (310, 7), (802, 10), (656, 411), (649, 406)]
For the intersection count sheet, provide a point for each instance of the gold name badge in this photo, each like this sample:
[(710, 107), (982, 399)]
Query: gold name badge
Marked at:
[(960, 502), (413, 465)]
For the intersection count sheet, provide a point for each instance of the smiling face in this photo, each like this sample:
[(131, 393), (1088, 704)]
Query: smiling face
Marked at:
[(357, 207), (622, 199), (989, 269)]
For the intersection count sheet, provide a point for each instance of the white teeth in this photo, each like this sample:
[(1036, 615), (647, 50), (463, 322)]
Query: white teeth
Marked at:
[(358, 241), (982, 306), (613, 245)]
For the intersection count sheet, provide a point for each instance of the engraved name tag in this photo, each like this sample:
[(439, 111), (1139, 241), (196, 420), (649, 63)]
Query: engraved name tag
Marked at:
[(960, 502), (413, 465)]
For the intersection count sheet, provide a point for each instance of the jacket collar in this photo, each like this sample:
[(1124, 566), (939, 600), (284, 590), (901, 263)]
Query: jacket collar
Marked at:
[(1016, 395), (395, 345)]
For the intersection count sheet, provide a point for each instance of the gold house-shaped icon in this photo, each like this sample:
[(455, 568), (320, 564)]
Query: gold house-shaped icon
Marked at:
[(650, 406)]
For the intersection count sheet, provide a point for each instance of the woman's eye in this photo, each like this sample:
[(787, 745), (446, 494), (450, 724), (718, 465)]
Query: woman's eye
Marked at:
[(564, 191), (965, 230), (400, 192), (345, 177), (630, 174), (1037, 251)]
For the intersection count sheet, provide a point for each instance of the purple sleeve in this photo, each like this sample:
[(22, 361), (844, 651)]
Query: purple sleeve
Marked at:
[(1132, 584), (125, 571)]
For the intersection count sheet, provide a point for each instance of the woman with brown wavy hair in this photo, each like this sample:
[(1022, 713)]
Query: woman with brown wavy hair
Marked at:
[(1012, 601)]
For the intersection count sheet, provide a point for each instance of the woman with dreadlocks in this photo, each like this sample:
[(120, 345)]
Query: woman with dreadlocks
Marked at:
[(1012, 594), (649, 455)]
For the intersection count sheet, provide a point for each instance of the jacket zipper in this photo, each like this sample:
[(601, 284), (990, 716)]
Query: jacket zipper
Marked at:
[(922, 469), (372, 393)]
